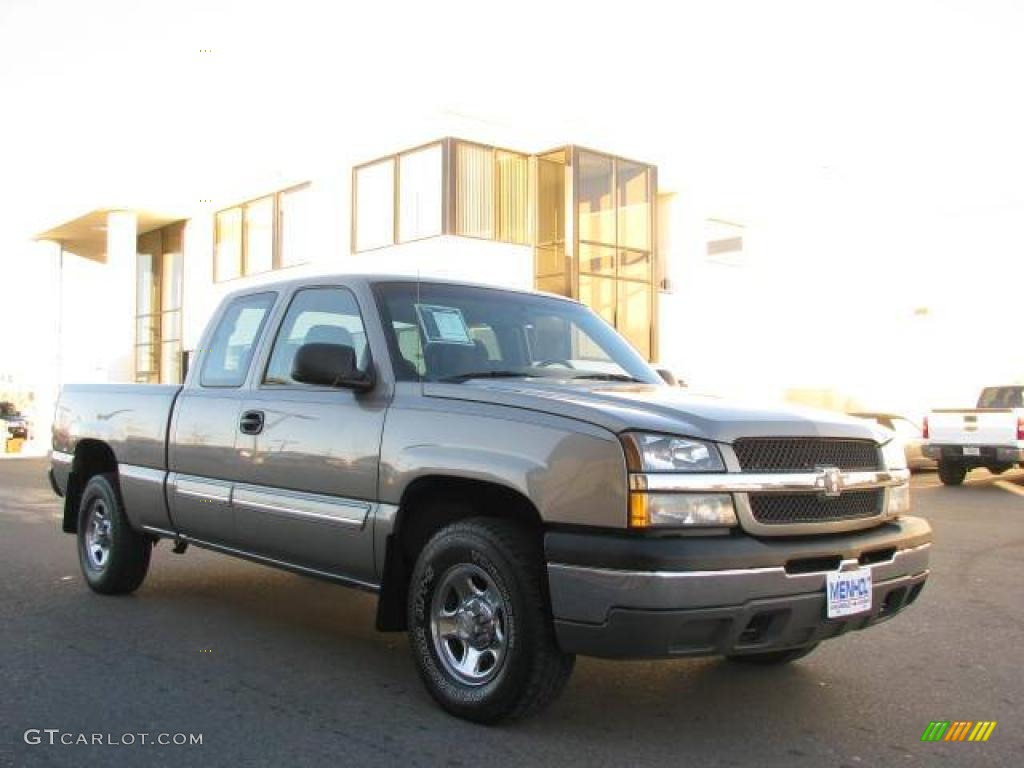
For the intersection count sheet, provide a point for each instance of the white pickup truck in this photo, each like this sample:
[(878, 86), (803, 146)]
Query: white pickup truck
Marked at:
[(990, 436)]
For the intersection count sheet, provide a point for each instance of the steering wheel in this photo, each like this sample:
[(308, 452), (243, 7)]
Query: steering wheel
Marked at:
[(549, 363)]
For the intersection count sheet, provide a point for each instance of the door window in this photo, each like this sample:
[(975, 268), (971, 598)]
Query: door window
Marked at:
[(317, 315), (226, 362)]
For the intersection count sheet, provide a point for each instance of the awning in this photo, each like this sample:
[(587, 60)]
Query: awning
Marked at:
[(86, 235)]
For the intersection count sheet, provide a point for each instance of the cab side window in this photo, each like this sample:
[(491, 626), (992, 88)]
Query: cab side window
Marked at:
[(231, 349), (317, 315)]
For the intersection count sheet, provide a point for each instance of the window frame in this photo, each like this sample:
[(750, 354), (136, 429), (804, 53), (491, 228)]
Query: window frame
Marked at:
[(268, 354), (449, 194), (275, 237), (200, 369), (654, 282), (396, 188)]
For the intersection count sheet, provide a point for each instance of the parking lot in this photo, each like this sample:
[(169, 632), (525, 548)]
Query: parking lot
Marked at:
[(275, 669)]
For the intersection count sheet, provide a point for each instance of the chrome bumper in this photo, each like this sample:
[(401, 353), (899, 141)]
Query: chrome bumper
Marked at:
[(826, 482), (782, 482)]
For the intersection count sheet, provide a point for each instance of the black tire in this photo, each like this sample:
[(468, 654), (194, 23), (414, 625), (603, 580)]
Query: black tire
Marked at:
[(506, 561), (103, 528), (952, 474), (998, 469), (769, 658)]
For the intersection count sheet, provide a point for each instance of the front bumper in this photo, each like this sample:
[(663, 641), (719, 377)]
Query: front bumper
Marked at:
[(630, 597)]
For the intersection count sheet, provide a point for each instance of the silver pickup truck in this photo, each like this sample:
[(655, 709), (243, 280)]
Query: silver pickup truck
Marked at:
[(510, 477)]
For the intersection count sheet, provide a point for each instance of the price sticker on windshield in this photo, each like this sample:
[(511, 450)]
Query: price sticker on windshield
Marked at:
[(444, 325)]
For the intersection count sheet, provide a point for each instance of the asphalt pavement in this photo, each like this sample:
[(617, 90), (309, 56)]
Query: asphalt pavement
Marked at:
[(275, 669)]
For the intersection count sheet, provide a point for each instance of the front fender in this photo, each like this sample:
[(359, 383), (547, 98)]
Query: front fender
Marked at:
[(572, 473)]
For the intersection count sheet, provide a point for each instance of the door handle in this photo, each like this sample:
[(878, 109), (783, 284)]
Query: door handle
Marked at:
[(251, 423)]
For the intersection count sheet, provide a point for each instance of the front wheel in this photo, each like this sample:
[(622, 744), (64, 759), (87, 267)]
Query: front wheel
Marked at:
[(772, 658), (113, 556), (952, 474), (479, 623)]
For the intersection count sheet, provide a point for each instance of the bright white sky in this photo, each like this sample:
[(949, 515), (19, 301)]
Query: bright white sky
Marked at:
[(886, 134)]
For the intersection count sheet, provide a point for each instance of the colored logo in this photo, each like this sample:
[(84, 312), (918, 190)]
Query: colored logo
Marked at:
[(958, 730)]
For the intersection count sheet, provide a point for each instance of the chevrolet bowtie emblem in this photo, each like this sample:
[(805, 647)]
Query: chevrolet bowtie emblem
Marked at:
[(831, 480)]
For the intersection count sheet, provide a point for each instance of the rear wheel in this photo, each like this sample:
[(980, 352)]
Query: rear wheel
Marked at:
[(769, 658), (479, 623), (113, 556), (952, 474), (998, 469)]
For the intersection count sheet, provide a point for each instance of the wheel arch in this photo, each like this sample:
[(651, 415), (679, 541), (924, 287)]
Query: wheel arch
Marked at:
[(92, 457), (428, 504)]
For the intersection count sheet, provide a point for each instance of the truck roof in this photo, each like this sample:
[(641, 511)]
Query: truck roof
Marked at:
[(332, 278)]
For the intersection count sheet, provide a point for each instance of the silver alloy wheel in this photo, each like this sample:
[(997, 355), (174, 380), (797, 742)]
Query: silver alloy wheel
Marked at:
[(98, 535), (467, 624)]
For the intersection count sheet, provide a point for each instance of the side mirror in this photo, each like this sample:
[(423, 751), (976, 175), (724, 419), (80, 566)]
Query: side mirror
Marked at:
[(329, 365)]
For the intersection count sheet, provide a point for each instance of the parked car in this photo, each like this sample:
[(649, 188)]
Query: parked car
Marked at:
[(908, 432), (514, 482), (17, 425), (990, 436)]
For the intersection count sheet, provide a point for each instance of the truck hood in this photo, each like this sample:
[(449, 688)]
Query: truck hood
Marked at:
[(621, 406)]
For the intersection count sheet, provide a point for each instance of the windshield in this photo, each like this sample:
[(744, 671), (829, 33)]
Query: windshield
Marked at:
[(439, 332)]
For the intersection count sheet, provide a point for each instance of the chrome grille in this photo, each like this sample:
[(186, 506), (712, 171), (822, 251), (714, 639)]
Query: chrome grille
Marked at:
[(805, 454), (791, 508)]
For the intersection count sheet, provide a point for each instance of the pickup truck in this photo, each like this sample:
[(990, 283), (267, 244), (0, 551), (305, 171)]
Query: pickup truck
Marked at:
[(990, 436), (512, 479)]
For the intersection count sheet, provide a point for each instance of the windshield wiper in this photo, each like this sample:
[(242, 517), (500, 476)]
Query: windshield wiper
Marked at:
[(595, 376), (499, 374)]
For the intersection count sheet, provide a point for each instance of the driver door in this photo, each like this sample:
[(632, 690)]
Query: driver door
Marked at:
[(307, 477)]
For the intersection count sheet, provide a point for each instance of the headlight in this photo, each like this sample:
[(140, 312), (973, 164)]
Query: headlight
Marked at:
[(647, 510), (662, 453), (894, 455)]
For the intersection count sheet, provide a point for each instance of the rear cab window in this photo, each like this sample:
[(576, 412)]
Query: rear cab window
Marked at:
[(233, 344), (1002, 397)]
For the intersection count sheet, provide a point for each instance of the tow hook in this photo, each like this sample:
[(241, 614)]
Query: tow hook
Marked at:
[(180, 545)]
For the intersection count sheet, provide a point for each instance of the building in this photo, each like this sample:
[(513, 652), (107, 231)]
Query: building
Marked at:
[(569, 220), (743, 305)]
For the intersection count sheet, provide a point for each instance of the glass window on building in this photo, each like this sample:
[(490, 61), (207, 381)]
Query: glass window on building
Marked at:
[(613, 270), (227, 251), (258, 250), (420, 193), (512, 197), (474, 190), (295, 224), (374, 205), (158, 295), (492, 193), (450, 187), (147, 309), (551, 266), (595, 201)]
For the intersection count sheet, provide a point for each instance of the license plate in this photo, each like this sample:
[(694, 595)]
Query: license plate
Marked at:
[(972, 450), (848, 592)]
